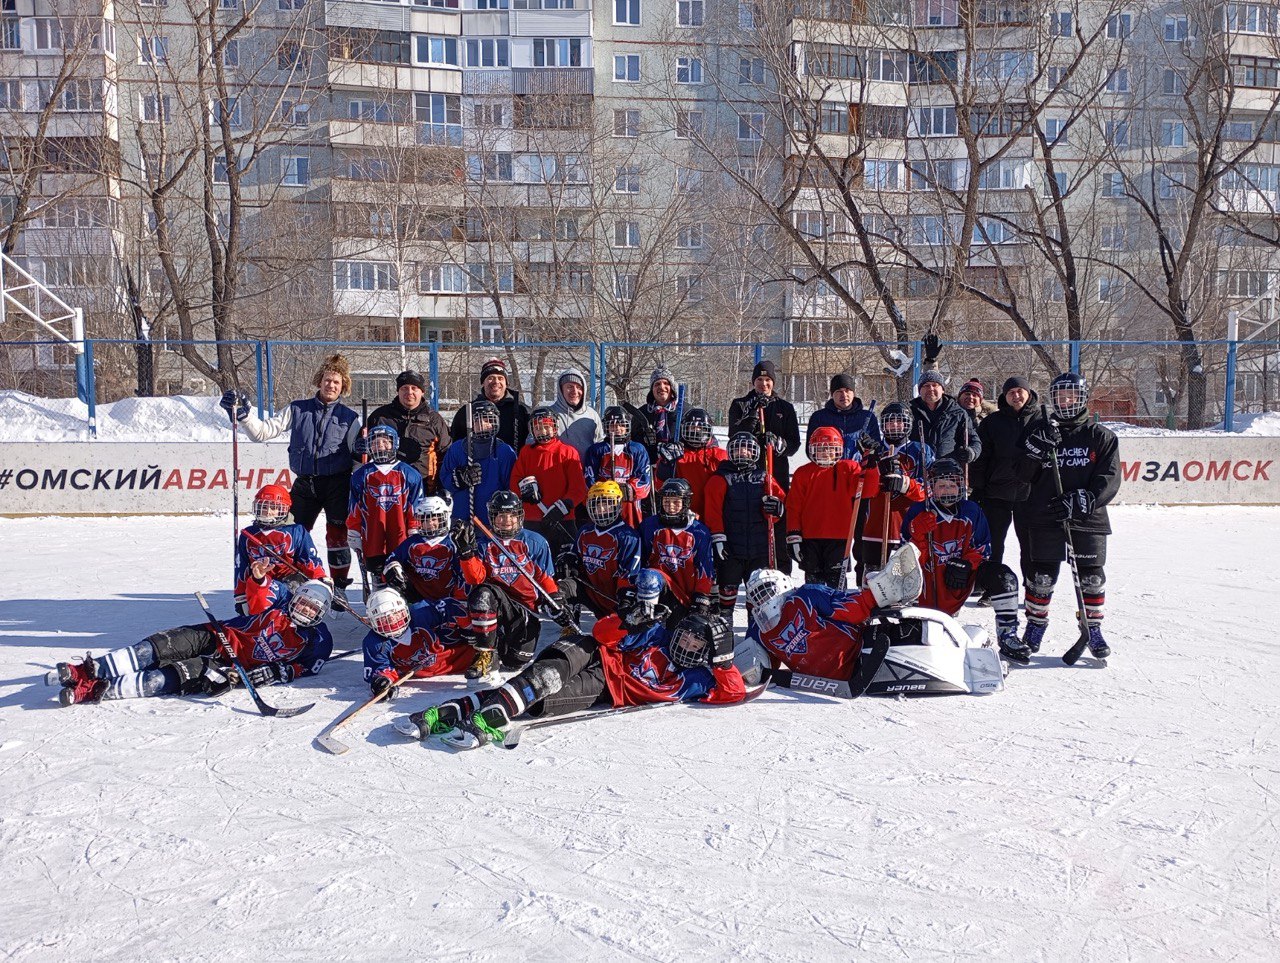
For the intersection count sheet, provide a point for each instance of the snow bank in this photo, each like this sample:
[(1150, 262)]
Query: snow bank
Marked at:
[(25, 417)]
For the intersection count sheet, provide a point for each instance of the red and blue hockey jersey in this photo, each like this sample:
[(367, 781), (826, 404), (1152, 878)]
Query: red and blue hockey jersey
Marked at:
[(380, 506), (609, 559), (431, 645), (534, 555), (697, 467), (292, 542), (638, 670), (819, 630), (433, 568), (267, 636), (682, 554), (621, 463), (963, 535)]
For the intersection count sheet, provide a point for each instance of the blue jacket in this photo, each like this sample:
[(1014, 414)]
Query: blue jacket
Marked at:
[(496, 459), (322, 438), (850, 424)]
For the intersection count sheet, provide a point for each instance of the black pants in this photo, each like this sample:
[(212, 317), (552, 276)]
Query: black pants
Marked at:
[(823, 561), (559, 535), (576, 592), (188, 649), (518, 629), (1048, 549), (577, 659), (312, 494), (733, 570), (1000, 514)]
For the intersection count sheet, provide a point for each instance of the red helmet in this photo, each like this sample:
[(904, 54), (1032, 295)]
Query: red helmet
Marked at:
[(826, 446), (271, 505)]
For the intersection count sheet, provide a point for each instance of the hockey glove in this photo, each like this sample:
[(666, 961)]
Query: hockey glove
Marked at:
[(793, 546), (963, 454), (235, 404), (721, 644), (932, 347), (393, 575), (556, 512), (701, 605), (265, 675), (530, 491), (467, 476), (776, 442), (628, 492), (561, 615), (869, 447), (649, 438), (354, 541), (568, 564), (956, 574), (1041, 443), (464, 539), (772, 505), (719, 548), (892, 481), (384, 682), (671, 451), (1072, 505), (924, 524)]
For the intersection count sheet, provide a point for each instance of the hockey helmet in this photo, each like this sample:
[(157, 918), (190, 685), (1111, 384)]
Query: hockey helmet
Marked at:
[(384, 444), (388, 613), (604, 503), (543, 425), (674, 500), (506, 513), (649, 585), (1069, 396), (271, 506), (309, 603), (617, 424), (766, 589), (485, 420), (694, 640), (695, 430), (896, 422), (433, 515), (744, 450), (946, 482), (826, 447)]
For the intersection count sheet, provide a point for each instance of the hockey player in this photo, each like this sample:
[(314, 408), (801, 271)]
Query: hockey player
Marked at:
[(278, 641), (820, 507), (480, 465), (679, 546), (952, 535), (696, 456), (383, 493), (622, 460), (742, 502), (548, 477), (272, 530), (426, 566), (1088, 457), (424, 640), (502, 612), (816, 629), (606, 555), (898, 488), (616, 666)]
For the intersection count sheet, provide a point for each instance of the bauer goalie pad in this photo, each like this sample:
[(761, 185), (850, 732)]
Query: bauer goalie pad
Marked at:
[(932, 654)]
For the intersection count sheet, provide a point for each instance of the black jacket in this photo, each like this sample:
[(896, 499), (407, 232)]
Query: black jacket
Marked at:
[(421, 430), (994, 476), (779, 419), (1089, 458), (513, 420), (944, 429)]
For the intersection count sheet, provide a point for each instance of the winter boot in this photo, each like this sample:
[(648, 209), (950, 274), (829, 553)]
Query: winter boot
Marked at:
[(1098, 647), (1010, 646), (483, 667), (1034, 635), (901, 581), (68, 674)]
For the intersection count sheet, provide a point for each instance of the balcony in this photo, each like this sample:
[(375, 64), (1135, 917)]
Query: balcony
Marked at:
[(553, 80)]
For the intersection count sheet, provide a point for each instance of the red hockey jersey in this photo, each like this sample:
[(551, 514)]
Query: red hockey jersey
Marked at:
[(820, 503), (637, 669)]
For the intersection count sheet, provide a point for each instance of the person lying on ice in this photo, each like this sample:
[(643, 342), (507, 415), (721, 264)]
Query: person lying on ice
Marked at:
[(282, 638), (424, 639), (630, 659)]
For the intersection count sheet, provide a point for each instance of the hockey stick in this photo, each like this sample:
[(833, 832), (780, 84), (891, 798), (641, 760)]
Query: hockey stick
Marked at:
[(235, 490), (364, 460), (856, 685), (1072, 655), (221, 633), (326, 741), (284, 560), (510, 557), (888, 511), (769, 520)]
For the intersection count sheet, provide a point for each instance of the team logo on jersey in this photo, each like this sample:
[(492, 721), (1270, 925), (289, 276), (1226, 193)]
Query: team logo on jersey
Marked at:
[(673, 555), (793, 638), (417, 653), (596, 557), (386, 493), (428, 565), (504, 569), (270, 646)]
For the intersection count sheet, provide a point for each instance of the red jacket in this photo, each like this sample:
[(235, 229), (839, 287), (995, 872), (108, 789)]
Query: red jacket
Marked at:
[(820, 503), (558, 469), (696, 467)]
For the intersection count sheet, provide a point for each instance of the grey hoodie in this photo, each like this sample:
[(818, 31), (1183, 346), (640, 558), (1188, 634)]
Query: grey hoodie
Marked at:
[(580, 427)]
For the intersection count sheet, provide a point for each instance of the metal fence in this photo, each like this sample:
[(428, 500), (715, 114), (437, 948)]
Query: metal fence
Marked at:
[(1141, 382)]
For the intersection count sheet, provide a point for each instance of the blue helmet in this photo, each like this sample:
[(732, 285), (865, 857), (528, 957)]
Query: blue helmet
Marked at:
[(649, 586), (381, 453)]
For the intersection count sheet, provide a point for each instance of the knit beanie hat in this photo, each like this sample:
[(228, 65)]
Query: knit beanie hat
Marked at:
[(493, 366), (766, 368), (410, 377), (975, 386), (662, 373), (839, 381), (931, 377), (1017, 381)]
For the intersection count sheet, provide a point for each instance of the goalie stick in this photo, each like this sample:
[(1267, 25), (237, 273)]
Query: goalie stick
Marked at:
[(263, 707), (1072, 655), (326, 741), (851, 688)]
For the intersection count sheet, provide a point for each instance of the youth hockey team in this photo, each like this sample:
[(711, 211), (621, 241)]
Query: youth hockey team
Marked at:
[(472, 536)]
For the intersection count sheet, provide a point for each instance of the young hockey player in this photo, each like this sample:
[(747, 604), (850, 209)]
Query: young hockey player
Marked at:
[(742, 502), (820, 507), (272, 531), (424, 640), (606, 555), (1088, 457), (622, 460), (616, 666), (679, 546), (426, 566), (696, 456), (548, 477), (952, 535), (277, 642), (383, 493), (502, 612), (816, 629), (898, 488), (481, 463)]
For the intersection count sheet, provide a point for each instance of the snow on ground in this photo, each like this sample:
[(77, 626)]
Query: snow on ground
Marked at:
[(1086, 813)]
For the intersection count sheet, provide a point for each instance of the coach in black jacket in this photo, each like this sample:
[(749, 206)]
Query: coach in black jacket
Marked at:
[(994, 482), (941, 423)]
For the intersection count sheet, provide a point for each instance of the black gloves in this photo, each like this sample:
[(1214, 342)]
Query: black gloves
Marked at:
[(932, 347), (776, 442), (393, 575), (773, 506), (556, 511), (561, 614), (235, 404), (721, 644), (265, 675), (794, 546), (468, 476), (530, 491), (891, 478), (1072, 505), (464, 539), (957, 573), (869, 447), (383, 682), (719, 547), (671, 451), (1042, 442), (963, 454)]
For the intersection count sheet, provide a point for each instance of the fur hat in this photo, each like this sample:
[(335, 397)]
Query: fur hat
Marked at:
[(338, 365)]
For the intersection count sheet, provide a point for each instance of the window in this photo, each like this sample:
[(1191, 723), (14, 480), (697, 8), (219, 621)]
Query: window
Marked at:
[(939, 174), (624, 287), (1055, 130), (566, 228), (626, 234), (220, 170), (231, 53), (1251, 18), (294, 114), (490, 167), (10, 95), (291, 4), (751, 71), (1110, 290), (626, 68), (1171, 82), (747, 16), (1060, 23), (155, 109), (688, 180), (626, 123), (10, 33), (690, 237), (1058, 79), (557, 52), (109, 37), (295, 171), (1118, 81), (834, 119), (489, 53), (76, 96), (812, 224), (1006, 174), (1059, 181), (1114, 237), (1120, 26), (1255, 71), (689, 13), (626, 13), (373, 111), (291, 56), (442, 279), (436, 50), (491, 4), (690, 288), (440, 116), (153, 50), (688, 70), (230, 110), (626, 180), (689, 124), (1116, 133), (365, 276), (935, 121), (48, 33), (882, 175), (228, 4), (1173, 133), (992, 230), (929, 230), (750, 126), (1112, 185), (1238, 130), (488, 115), (1175, 29)]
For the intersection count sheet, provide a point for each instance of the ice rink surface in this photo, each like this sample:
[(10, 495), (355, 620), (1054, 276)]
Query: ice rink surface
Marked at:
[(1083, 814)]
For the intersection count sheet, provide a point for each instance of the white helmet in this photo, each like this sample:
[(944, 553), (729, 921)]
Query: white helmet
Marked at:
[(309, 603), (433, 515), (766, 589), (388, 613)]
